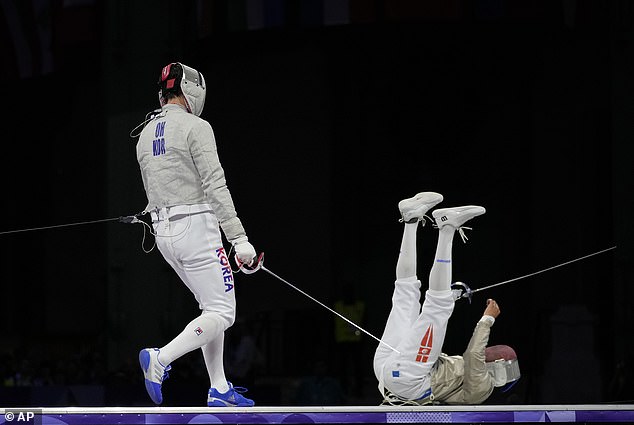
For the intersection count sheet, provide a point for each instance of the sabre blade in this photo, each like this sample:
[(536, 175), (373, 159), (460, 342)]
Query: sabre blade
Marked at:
[(57, 226), (543, 270), (328, 308)]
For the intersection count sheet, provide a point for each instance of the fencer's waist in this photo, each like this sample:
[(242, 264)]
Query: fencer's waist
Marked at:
[(178, 211), (427, 397)]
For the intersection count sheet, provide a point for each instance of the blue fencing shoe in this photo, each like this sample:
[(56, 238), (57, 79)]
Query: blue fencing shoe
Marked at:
[(232, 398), (154, 373)]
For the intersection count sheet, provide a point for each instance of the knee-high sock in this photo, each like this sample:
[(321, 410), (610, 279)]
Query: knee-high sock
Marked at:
[(213, 353), (405, 299), (199, 332), (406, 263), (440, 274)]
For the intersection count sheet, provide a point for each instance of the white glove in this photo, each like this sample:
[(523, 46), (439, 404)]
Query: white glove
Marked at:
[(245, 253)]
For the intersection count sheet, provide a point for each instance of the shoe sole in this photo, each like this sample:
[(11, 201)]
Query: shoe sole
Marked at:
[(432, 199), (429, 204), (216, 402), (144, 361), (220, 403), (151, 387)]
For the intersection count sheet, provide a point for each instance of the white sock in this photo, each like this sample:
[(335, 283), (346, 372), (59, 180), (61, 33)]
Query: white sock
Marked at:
[(440, 274), (213, 354), (199, 332), (406, 263)]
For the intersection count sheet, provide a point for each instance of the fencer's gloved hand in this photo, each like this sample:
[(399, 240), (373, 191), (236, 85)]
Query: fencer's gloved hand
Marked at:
[(245, 253)]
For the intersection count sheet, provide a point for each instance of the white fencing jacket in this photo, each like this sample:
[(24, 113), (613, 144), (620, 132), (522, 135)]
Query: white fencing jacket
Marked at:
[(179, 164)]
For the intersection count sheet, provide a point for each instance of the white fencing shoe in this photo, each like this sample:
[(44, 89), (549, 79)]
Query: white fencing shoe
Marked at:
[(456, 216), (414, 209)]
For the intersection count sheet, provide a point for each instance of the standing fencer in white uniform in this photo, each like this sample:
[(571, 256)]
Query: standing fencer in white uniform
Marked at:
[(418, 372), (190, 203)]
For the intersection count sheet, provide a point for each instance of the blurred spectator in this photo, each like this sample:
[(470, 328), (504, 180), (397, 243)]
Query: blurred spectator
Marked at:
[(349, 341), (243, 356)]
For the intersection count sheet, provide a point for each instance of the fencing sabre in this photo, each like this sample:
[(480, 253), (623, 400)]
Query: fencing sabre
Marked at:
[(122, 219), (463, 291), (259, 264)]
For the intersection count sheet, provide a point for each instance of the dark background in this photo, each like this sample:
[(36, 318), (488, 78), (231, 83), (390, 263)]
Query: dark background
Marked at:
[(326, 114)]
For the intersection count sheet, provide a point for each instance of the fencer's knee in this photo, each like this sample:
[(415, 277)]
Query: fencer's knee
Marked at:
[(224, 311), (442, 298), (224, 319), (230, 319)]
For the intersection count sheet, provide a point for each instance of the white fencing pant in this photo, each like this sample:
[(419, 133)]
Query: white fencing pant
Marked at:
[(418, 334), (189, 239)]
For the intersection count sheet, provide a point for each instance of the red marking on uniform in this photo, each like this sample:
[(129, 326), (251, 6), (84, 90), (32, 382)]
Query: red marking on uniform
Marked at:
[(425, 345)]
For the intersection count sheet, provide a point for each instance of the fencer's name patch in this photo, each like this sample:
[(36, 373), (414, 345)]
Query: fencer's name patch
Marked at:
[(440, 260), (158, 144), (227, 274)]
